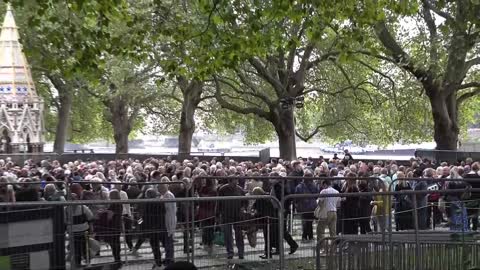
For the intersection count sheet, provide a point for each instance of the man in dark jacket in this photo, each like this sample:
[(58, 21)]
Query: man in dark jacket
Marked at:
[(297, 172), (230, 212), (277, 192), (154, 223)]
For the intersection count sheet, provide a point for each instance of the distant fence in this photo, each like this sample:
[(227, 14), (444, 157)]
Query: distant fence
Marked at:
[(451, 156)]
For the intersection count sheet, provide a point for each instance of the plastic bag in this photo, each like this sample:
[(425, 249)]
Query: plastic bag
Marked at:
[(219, 238)]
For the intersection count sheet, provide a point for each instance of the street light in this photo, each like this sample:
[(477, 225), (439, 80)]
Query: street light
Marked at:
[(288, 102)]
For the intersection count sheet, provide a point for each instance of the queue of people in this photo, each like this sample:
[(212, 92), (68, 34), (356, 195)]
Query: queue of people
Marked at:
[(166, 179)]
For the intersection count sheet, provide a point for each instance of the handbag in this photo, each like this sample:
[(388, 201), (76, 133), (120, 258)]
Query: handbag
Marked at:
[(442, 205), (321, 211), (93, 247), (219, 237), (252, 237)]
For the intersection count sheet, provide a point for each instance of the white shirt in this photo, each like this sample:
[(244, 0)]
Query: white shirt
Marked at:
[(170, 213), (126, 207), (331, 202)]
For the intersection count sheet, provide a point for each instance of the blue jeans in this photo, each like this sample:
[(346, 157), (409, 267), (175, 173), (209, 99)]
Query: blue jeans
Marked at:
[(229, 239)]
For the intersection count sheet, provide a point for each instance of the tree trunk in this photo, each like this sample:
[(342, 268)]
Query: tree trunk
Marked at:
[(121, 123), (65, 102), (445, 120), (284, 124), (191, 98), (121, 140)]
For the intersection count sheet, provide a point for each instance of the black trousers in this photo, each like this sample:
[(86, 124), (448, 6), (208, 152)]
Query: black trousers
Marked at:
[(114, 241), (270, 235), (307, 226), (286, 236), (127, 223), (167, 242), (364, 225), (207, 227), (79, 246)]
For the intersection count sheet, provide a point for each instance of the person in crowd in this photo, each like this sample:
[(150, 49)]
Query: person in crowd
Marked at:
[(276, 191), (266, 212), (50, 193), (153, 223), (127, 217), (109, 226), (79, 218), (347, 157), (404, 205), (387, 180), (7, 193), (170, 220), (365, 208), (297, 172), (328, 206), (307, 206), (456, 210), (472, 178), (230, 212), (422, 199), (381, 207), (350, 205), (206, 213)]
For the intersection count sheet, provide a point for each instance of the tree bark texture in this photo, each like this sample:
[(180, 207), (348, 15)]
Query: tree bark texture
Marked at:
[(65, 106), (284, 124), (445, 120), (192, 93), (121, 122)]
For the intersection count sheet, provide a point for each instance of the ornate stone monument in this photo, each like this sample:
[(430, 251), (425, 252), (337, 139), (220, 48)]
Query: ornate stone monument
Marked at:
[(21, 109)]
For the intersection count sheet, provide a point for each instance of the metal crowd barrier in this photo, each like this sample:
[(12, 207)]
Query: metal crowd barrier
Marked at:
[(410, 250)]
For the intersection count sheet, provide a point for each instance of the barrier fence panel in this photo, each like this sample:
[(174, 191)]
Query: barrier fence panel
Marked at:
[(407, 249), (32, 238), (208, 241)]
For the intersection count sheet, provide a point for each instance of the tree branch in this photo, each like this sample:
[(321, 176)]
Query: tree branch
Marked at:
[(226, 105), (315, 131), (318, 128), (469, 85), (377, 71), (433, 38), (468, 95), (440, 13), (470, 63), (206, 97), (323, 57), (238, 91), (263, 72), (254, 89), (399, 55)]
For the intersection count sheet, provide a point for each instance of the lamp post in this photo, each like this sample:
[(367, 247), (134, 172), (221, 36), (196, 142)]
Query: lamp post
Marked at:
[(289, 103)]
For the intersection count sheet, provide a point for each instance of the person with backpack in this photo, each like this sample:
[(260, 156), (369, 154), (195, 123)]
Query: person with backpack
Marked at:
[(306, 207), (79, 217)]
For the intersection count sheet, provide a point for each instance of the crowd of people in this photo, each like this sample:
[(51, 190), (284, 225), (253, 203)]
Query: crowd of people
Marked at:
[(158, 179)]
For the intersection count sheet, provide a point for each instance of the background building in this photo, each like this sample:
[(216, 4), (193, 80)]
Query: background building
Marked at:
[(21, 109)]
